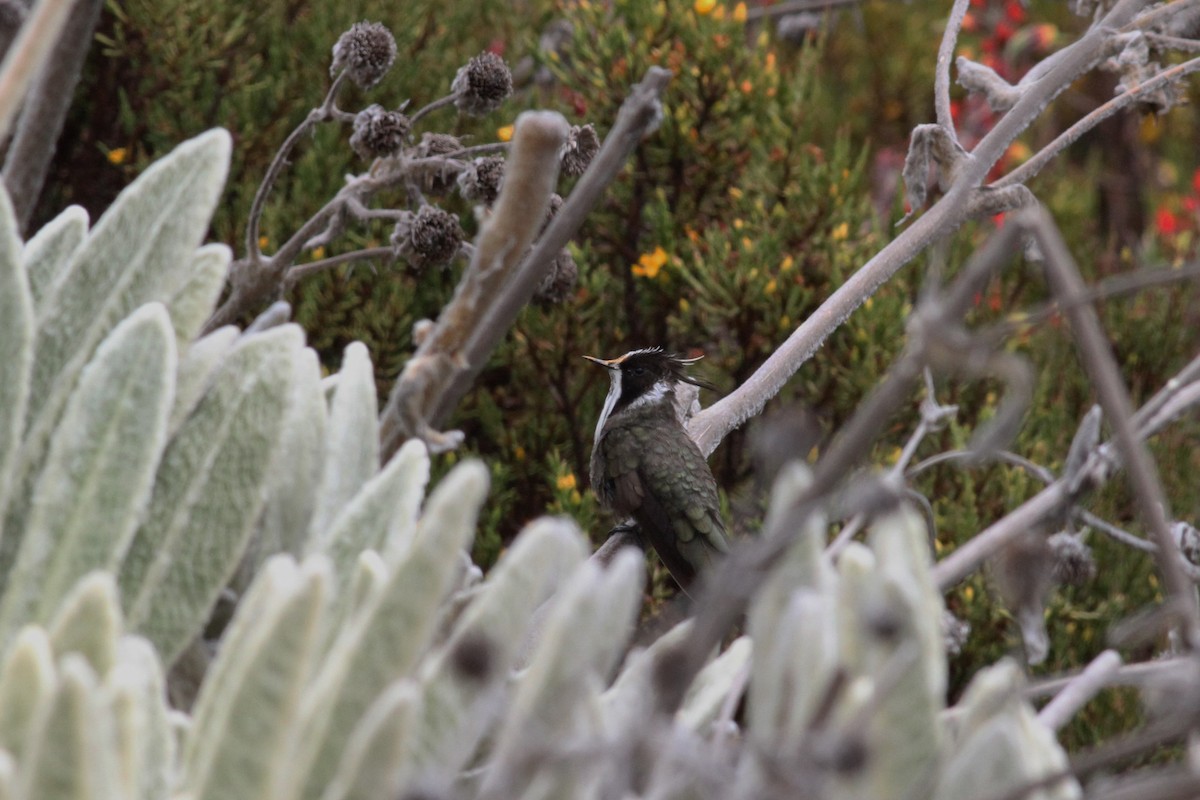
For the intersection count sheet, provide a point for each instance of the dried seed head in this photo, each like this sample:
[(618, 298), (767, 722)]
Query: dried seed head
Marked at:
[(556, 202), (429, 238), (1073, 563), (482, 85), (474, 657), (480, 180), (559, 281), (581, 147), (379, 132), (1188, 539), (437, 144), (366, 52)]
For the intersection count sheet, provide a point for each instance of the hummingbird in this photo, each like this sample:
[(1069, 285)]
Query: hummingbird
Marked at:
[(646, 467)]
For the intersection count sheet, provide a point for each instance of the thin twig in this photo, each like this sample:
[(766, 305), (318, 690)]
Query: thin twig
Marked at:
[(35, 41), (296, 273), (1063, 276), (318, 114), (941, 81), (441, 102), (1080, 690), (1034, 165)]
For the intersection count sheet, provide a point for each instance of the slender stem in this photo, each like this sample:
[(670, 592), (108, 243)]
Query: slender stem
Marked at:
[(1116, 534), (1034, 165), (319, 114), (300, 271), (491, 147), (1063, 276), (1080, 690), (435, 105), (21, 64), (941, 81)]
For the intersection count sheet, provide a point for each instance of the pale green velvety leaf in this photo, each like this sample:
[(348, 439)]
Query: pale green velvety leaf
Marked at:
[(89, 622), (8, 777), (193, 303), (243, 736), (27, 681), (16, 344), (711, 687), (292, 491), (394, 492), (145, 742), (209, 491), (49, 252), (458, 706), (352, 444), (387, 636), (368, 769), (197, 367), (139, 252), (588, 626), (99, 471), (72, 753)]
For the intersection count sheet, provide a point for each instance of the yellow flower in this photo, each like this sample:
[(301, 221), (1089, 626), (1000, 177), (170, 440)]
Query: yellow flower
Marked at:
[(519, 453), (704, 6), (684, 305), (735, 192), (263, 241), (771, 286), (505, 134), (318, 252), (117, 156), (739, 12), (649, 264), (787, 263), (566, 482), (841, 232)]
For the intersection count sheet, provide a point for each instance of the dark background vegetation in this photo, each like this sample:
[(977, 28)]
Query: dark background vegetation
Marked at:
[(773, 177)]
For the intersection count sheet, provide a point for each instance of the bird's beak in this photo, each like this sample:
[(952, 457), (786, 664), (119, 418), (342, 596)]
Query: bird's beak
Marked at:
[(610, 364)]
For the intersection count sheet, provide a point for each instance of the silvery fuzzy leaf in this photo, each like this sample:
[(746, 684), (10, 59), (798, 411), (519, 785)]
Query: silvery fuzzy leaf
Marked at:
[(351, 444), (49, 252), (99, 471), (89, 622), (72, 752), (145, 743), (711, 688), (16, 343), (139, 252), (27, 680), (192, 303), (240, 743), (461, 680), (209, 491), (386, 637), (197, 367), (380, 741), (291, 493)]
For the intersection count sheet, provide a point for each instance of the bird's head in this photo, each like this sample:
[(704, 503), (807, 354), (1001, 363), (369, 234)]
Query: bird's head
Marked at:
[(644, 377)]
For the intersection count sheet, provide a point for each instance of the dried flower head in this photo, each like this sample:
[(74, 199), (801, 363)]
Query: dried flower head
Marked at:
[(1073, 563), (559, 282), (480, 180), (366, 52), (482, 85), (429, 238), (433, 145), (438, 144), (1188, 539), (552, 209), (581, 147), (379, 132)]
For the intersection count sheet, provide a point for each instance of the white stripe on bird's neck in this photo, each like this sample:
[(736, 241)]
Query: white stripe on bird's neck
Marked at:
[(655, 394)]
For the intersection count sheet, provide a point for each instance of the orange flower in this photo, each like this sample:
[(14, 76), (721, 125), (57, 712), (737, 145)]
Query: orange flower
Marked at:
[(703, 7), (649, 264)]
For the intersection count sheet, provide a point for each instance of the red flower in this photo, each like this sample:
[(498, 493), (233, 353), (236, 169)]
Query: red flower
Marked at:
[(1196, 180), (1014, 11), (1166, 222)]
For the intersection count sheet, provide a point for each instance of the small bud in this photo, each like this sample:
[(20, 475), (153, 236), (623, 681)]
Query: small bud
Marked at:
[(482, 85), (480, 180), (379, 132), (581, 147), (559, 281), (1073, 563), (429, 238), (366, 52)]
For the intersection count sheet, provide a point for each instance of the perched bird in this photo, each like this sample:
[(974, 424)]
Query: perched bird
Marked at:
[(645, 466)]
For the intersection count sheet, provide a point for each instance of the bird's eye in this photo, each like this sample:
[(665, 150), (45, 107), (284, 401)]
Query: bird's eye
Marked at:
[(639, 370)]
